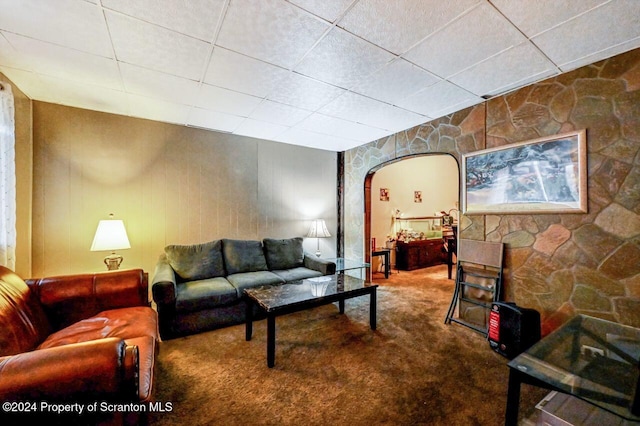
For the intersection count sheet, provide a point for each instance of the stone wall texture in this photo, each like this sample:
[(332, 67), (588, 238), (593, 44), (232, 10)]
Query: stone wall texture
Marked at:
[(558, 264)]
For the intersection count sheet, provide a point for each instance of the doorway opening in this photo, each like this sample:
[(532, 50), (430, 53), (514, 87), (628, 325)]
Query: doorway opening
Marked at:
[(403, 201)]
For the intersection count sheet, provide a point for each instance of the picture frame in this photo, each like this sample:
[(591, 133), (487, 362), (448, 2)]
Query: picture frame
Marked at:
[(384, 194), (544, 175), (417, 196)]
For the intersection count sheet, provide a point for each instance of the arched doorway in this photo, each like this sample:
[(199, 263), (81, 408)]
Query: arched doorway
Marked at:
[(420, 185)]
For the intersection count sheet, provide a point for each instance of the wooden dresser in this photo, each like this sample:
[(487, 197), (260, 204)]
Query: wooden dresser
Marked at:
[(420, 254)]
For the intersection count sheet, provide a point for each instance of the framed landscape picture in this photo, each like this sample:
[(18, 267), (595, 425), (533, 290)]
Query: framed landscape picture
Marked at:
[(546, 175)]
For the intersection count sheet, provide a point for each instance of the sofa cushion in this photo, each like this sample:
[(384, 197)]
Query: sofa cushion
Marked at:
[(124, 323), (283, 253), (243, 256), (297, 274), (195, 296), (253, 279), (196, 261)]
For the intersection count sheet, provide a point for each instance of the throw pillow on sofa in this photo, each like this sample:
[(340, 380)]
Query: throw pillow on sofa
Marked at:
[(283, 253), (196, 261), (243, 256)]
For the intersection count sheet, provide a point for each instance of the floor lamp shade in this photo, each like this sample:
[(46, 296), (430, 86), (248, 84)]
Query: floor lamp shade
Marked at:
[(318, 230), (111, 235)]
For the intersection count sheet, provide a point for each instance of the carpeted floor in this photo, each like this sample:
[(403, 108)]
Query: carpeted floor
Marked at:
[(333, 369)]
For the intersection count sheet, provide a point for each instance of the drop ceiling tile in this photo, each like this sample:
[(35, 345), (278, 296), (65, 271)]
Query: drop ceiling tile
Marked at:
[(304, 92), (360, 109), (351, 106), (213, 120), (71, 64), (538, 16), (439, 99), (28, 82), (516, 66), (316, 140), (333, 126), (227, 101), (329, 10), (602, 54), (196, 18), (157, 48), (81, 95), (395, 81), (75, 24), (243, 74), (611, 24), (342, 59), (157, 85), (397, 25), (398, 119), (274, 31), (9, 57), (471, 38), (158, 110), (259, 129), (277, 113)]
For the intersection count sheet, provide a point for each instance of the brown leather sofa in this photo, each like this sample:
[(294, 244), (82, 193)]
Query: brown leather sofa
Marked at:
[(83, 341)]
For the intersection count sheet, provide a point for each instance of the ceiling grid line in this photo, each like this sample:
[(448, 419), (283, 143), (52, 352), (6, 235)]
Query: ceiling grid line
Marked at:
[(326, 75)]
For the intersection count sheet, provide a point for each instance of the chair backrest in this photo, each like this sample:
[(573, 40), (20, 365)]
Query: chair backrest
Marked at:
[(23, 322), (480, 252)]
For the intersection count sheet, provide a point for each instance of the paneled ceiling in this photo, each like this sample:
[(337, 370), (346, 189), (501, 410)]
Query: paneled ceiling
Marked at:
[(328, 74)]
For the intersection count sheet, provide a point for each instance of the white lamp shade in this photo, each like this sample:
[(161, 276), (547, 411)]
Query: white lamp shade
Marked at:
[(318, 229), (110, 235)]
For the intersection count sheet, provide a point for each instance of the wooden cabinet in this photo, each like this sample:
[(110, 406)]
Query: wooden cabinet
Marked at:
[(419, 254)]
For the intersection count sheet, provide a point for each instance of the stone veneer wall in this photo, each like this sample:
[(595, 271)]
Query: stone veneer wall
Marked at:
[(558, 264)]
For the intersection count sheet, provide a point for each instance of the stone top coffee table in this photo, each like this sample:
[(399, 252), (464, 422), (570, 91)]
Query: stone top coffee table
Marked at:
[(306, 294)]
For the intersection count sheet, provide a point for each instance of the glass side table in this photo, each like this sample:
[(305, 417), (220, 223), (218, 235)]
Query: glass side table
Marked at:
[(343, 264), (589, 358)]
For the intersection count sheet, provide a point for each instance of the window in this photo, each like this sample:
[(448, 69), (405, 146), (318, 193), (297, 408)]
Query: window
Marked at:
[(7, 178)]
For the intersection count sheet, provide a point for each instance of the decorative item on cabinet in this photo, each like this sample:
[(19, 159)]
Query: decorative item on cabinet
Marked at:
[(417, 228)]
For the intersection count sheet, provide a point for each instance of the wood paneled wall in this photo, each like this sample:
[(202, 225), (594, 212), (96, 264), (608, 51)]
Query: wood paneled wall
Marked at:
[(170, 184)]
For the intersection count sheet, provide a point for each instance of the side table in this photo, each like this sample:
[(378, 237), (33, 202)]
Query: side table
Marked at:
[(343, 264), (590, 358), (386, 253)]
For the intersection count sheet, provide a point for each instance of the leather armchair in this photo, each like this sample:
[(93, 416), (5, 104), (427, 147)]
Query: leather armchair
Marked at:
[(82, 339)]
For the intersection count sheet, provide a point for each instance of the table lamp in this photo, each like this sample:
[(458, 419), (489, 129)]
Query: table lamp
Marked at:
[(318, 230), (111, 236)]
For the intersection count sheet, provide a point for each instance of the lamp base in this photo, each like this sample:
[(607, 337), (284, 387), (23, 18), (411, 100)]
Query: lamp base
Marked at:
[(113, 261)]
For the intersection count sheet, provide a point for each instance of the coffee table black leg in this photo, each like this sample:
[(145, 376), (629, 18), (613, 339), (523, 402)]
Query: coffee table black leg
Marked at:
[(249, 320), (513, 399), (341, 305), (271, 340), (372, 309)]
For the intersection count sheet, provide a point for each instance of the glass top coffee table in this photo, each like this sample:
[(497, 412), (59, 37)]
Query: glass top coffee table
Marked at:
[(589, 358), (288, 298)]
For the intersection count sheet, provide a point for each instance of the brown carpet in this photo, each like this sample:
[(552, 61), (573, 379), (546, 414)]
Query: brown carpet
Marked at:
[(333, 369)]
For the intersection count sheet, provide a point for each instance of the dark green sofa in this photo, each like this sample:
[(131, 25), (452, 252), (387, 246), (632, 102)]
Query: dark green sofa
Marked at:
[(200, 287)]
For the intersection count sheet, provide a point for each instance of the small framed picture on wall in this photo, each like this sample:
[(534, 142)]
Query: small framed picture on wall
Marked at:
[(384, 194), (417, 196)]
